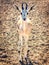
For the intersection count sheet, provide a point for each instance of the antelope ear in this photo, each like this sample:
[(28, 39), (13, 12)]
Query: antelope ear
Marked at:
[(17, 8), (31, 8)]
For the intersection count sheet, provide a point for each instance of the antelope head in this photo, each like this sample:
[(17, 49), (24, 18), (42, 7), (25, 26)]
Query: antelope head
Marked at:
[(24, 10)]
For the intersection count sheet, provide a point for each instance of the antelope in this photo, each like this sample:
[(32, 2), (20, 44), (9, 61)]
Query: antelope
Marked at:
[(25, 26)]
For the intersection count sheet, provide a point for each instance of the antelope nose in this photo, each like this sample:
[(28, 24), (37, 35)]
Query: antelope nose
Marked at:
[(24, 19)]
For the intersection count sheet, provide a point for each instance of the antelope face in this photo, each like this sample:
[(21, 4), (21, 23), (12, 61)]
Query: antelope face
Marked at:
[(24, 12)]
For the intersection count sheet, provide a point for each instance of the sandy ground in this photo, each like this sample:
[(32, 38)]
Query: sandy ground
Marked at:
[(39, 37)]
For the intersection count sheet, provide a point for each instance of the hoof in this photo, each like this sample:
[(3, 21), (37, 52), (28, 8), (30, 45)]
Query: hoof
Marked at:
[(26, 61), (21, 62), (30, 63)]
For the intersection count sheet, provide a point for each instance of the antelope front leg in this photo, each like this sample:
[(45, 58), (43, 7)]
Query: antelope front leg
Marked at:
[(26, 47), (20, 44), (25, 50)]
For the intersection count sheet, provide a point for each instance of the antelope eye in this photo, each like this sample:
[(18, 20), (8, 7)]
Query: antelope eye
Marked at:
[(27, 13), (21, 13)]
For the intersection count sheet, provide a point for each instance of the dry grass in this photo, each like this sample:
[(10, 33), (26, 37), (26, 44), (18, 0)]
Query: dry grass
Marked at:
[(39, 38)]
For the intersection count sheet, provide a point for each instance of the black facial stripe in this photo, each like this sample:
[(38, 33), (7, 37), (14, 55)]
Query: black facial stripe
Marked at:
[(23, 7), (26, 6)]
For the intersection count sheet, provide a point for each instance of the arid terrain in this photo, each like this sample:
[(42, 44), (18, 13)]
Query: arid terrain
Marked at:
[(38, 42)]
